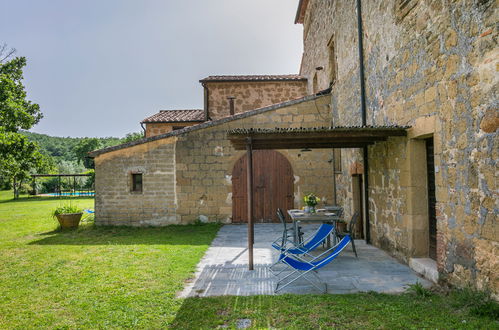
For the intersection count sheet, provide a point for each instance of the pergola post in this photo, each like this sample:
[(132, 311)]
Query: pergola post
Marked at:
[(249, 176)]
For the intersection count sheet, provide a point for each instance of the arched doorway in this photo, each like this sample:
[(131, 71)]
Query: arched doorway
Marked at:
[(272, 186)]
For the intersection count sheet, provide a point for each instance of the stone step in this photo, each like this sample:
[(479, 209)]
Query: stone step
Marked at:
[(426, 267)]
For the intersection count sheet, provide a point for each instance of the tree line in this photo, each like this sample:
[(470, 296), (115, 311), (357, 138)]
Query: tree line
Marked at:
[(23, 153)]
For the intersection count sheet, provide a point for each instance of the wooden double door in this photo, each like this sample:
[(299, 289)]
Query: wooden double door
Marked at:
[(272, 186)]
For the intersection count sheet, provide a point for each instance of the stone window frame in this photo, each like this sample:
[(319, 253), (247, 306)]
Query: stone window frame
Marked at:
[(332, 73), (315, 83), (133, 188), (337, 160)]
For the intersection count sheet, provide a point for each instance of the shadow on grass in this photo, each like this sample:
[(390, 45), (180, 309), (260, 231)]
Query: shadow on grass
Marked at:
[(310, 311), (45, 198), (93, 235)]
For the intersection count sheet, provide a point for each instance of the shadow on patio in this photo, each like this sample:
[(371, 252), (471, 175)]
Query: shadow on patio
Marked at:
[(224, 270)]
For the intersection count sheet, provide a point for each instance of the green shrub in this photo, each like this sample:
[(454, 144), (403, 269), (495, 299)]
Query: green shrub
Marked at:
[(66, 209), (25, 188), (479, 303), (89, 181), (419, 290)]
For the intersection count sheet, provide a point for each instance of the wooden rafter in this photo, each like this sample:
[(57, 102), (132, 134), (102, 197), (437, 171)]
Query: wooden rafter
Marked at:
[(320, 137)]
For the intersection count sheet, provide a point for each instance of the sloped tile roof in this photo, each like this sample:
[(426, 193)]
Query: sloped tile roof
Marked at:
[(206, 124), (175, 116), (283, 77)]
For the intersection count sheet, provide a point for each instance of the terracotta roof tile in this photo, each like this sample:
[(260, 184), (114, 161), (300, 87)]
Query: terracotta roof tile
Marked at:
[(175, 116), (283, 77)]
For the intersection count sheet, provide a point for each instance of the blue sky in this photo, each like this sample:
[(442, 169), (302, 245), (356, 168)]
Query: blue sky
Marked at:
[(98, 67)]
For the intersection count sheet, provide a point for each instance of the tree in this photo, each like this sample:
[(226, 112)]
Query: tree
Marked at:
[(19, 158), (82, 149), (18, 155), (15, 111), (132, 137)]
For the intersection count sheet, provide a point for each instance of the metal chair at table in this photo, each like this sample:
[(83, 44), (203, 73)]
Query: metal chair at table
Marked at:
[(350, 231), (338, 210), (334, 209), (288, 232)]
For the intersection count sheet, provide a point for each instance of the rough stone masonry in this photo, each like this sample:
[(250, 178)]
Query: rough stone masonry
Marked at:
[(432, 65)]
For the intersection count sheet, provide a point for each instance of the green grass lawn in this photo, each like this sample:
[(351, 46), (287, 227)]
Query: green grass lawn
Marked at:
[(93, 277), (104, 277)]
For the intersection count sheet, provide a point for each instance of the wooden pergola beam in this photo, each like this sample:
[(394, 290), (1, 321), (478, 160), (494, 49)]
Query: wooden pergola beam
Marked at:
[(249, 177), (240, 144), (353, 137), (272, 146), (313, 138)]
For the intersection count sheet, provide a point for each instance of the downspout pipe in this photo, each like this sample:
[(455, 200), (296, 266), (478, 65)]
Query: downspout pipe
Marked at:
[(206, 102), (360, 33), (143, 128)]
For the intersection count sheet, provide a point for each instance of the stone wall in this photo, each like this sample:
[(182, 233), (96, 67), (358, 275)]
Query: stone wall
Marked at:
[(116, 204), (205, 160), (153, 129), (437, 62), (250, 95)]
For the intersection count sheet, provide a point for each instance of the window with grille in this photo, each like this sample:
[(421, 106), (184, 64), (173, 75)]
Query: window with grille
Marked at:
[(136, 182)]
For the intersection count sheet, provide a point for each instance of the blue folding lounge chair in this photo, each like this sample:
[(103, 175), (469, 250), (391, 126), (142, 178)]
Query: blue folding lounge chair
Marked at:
[(301, 268), (308, 245), (287, 247)]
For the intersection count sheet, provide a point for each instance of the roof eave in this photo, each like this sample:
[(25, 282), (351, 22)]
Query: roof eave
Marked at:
[(300, 12), (250, 80), (202, 125), (173, 122)]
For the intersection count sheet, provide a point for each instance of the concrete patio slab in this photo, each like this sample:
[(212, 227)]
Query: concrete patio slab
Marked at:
[(224, 268)]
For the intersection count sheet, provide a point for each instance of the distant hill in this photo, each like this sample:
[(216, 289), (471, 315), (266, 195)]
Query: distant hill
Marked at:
[(61, 148)]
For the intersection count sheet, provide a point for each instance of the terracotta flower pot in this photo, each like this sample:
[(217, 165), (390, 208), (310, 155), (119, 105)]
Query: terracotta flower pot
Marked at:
[(70, 220)]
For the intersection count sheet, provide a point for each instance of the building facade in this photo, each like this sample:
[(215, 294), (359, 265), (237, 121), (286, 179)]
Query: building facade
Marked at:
[(431, 65)]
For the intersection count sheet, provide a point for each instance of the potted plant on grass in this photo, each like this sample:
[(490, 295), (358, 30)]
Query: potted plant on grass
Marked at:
[(68, 215)]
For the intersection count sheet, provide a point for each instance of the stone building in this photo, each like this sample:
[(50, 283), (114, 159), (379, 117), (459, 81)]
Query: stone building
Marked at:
[(428, 198), (228, 95), (431, 65), (166, 121), (185, 168)]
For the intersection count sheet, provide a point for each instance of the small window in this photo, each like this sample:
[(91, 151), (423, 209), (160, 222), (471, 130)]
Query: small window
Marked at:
[(315, 84), (332, 61), (337, 160), (136, 182)]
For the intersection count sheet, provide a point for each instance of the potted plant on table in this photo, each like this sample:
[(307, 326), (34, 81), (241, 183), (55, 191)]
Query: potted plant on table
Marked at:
[(311, 200), (68, 215)]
